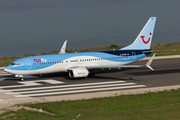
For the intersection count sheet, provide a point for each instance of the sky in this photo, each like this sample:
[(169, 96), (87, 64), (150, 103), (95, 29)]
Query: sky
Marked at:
[(33, 26)]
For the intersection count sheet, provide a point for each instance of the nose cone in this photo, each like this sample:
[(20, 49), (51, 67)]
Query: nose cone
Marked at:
[(7, 69)]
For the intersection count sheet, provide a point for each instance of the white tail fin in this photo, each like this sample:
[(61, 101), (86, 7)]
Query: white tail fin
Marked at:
[(62, 51), (144, 39)]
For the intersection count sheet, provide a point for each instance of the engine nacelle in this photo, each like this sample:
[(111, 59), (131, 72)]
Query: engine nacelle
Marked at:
[(78, 72)]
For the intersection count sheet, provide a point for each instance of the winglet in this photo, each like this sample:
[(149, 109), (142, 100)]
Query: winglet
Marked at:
[(149, 62), (62, 51)]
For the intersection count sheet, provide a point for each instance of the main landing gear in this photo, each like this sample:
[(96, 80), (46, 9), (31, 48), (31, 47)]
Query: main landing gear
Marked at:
[(92, 74)]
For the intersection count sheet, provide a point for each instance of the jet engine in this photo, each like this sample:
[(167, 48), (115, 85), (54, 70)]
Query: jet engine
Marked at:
[(78, 72)]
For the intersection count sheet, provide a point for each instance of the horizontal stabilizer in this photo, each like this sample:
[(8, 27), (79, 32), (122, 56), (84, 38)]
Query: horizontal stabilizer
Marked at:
[(149, 62)]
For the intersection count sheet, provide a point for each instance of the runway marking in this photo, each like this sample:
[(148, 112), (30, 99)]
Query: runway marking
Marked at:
[(89, 90), (74, 85), (67, 89), (33, 83), (47, 81), (111, 85)]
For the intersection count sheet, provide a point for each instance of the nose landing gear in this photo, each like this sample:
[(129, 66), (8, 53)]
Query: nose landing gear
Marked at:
[(20, 76), (21, 79)]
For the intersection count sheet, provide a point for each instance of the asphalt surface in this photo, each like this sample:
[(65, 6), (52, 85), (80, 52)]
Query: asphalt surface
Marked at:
[(55, 87)]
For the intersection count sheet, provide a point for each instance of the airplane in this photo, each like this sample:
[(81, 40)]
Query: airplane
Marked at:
[(82, 64)]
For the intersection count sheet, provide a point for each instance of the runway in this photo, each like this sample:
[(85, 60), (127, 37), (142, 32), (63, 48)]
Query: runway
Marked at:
[(59, 86)]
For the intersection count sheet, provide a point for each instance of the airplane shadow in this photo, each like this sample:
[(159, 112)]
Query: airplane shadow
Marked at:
[(157, 72), (15, 78), (113, 78), (98, 75), (61, 74), (65, 75), (110, 71)]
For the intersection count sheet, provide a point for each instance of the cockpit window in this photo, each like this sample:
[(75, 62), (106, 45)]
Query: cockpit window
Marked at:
[(15, 63)]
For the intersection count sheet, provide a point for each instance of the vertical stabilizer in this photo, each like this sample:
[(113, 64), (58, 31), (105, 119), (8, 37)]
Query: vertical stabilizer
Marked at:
[(144, 39)]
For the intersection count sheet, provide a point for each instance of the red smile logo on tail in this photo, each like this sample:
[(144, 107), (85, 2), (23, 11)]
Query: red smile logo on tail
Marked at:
[(146, 42)]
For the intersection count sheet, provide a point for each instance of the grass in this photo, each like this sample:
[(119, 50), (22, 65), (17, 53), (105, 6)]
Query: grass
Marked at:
[(177, 52), (167, 46), (150, 106)]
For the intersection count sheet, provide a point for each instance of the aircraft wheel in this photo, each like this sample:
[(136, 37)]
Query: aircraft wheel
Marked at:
[(22, 79), (92, 75)]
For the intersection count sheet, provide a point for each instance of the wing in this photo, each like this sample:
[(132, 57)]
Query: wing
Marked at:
[(157, 51), (124, 66), (62, 51), (117, 66)]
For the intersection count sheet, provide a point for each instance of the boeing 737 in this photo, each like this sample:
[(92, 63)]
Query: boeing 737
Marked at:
[(84, 63)]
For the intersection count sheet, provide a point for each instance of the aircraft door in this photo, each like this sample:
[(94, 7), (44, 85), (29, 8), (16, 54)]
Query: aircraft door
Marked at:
[(29, 65), (133, 56)]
